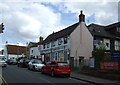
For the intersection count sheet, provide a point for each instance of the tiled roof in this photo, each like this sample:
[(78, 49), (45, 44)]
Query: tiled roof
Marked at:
[(98, 30), (113, 25), (63, 33), (16, 50)]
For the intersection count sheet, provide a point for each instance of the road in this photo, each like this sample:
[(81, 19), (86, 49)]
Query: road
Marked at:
[(13, 74)]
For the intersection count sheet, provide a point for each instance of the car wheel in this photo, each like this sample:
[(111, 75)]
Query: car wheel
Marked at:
[(28, 68), (68, 75), (34, 68), (53, 73)]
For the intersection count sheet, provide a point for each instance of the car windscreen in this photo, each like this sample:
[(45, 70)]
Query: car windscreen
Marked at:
[(13, 60), (38, 61), (26, 60), (62, 63)]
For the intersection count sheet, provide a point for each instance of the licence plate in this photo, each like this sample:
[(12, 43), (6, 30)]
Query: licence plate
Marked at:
[(64, 72)]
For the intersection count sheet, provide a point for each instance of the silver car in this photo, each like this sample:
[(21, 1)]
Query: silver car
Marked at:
[(35, 64), (3, 63)]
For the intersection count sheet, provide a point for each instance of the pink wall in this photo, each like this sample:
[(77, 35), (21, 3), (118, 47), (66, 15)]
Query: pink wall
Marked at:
[(81, 42)]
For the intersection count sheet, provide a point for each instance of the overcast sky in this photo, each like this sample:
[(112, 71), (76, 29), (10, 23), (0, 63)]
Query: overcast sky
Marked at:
[(27, 20)]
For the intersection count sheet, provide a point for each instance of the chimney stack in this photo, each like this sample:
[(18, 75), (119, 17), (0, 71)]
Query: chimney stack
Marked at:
[(81, 17), (40, 39)]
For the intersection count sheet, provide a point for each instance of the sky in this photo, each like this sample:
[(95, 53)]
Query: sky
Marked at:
[(27, 20)]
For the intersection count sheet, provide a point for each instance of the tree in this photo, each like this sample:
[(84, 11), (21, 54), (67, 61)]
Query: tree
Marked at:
[(99, 54)]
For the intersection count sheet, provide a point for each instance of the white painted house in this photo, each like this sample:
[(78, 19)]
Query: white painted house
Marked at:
[(34, 51), (35, 48), (14, 51)]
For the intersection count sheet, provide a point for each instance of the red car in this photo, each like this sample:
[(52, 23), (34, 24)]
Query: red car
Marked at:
[(56, 68)]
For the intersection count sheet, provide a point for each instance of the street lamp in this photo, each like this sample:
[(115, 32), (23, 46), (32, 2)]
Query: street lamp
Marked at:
[(17, 50)]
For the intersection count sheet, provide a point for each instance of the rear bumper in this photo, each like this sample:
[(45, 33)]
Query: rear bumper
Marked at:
[(3, 65), (62, 72)]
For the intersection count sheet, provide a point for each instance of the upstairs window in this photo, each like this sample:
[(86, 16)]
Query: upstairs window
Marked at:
[(48, 45), (44, 46), (60, 41), (53, 44), (65, 40), (32, 51)]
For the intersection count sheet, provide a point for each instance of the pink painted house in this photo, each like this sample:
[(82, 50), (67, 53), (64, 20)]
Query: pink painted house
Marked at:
[(73, 44)]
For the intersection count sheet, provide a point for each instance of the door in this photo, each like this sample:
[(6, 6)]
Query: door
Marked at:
[(47, 67)]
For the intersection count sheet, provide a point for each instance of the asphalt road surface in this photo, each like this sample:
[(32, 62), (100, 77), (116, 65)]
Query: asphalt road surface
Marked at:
[(17, 75)]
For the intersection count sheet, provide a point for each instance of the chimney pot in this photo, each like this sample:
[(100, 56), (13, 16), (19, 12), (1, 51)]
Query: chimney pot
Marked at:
[(40, 39), (81, 17)]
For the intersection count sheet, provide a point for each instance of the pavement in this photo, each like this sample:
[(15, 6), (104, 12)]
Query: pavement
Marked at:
[(94, 80)]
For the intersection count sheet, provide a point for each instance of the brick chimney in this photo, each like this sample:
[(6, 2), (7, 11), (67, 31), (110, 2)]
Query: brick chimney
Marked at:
[(81, 17), (40, 39)]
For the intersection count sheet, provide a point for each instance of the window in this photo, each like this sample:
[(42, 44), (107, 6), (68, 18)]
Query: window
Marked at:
[(53, 63), (32, 51), (48, 63), (44, 46), (118, 29), (107, 44), (48, 45), (117, 45), (60, 41), (62, 63), (53, 44), (65, 40)]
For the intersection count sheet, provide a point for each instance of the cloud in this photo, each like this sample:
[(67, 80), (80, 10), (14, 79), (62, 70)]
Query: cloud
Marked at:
[(29, 20), (105, 12)]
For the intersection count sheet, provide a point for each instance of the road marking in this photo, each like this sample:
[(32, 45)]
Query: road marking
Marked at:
[(3, 80)]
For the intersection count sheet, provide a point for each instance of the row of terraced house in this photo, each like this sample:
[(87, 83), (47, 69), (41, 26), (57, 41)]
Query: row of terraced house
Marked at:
[(75, 43)]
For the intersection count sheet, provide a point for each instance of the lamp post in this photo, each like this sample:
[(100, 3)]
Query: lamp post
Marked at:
[(17, 50)]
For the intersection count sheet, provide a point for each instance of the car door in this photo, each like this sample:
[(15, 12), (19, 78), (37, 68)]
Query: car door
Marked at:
[(20, 63), (32, 64), (47, 67)]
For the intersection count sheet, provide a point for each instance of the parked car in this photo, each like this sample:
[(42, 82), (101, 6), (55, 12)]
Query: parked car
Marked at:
[(11, 62), (23, 62), (56, 68), (35, 64), (3, 63)]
